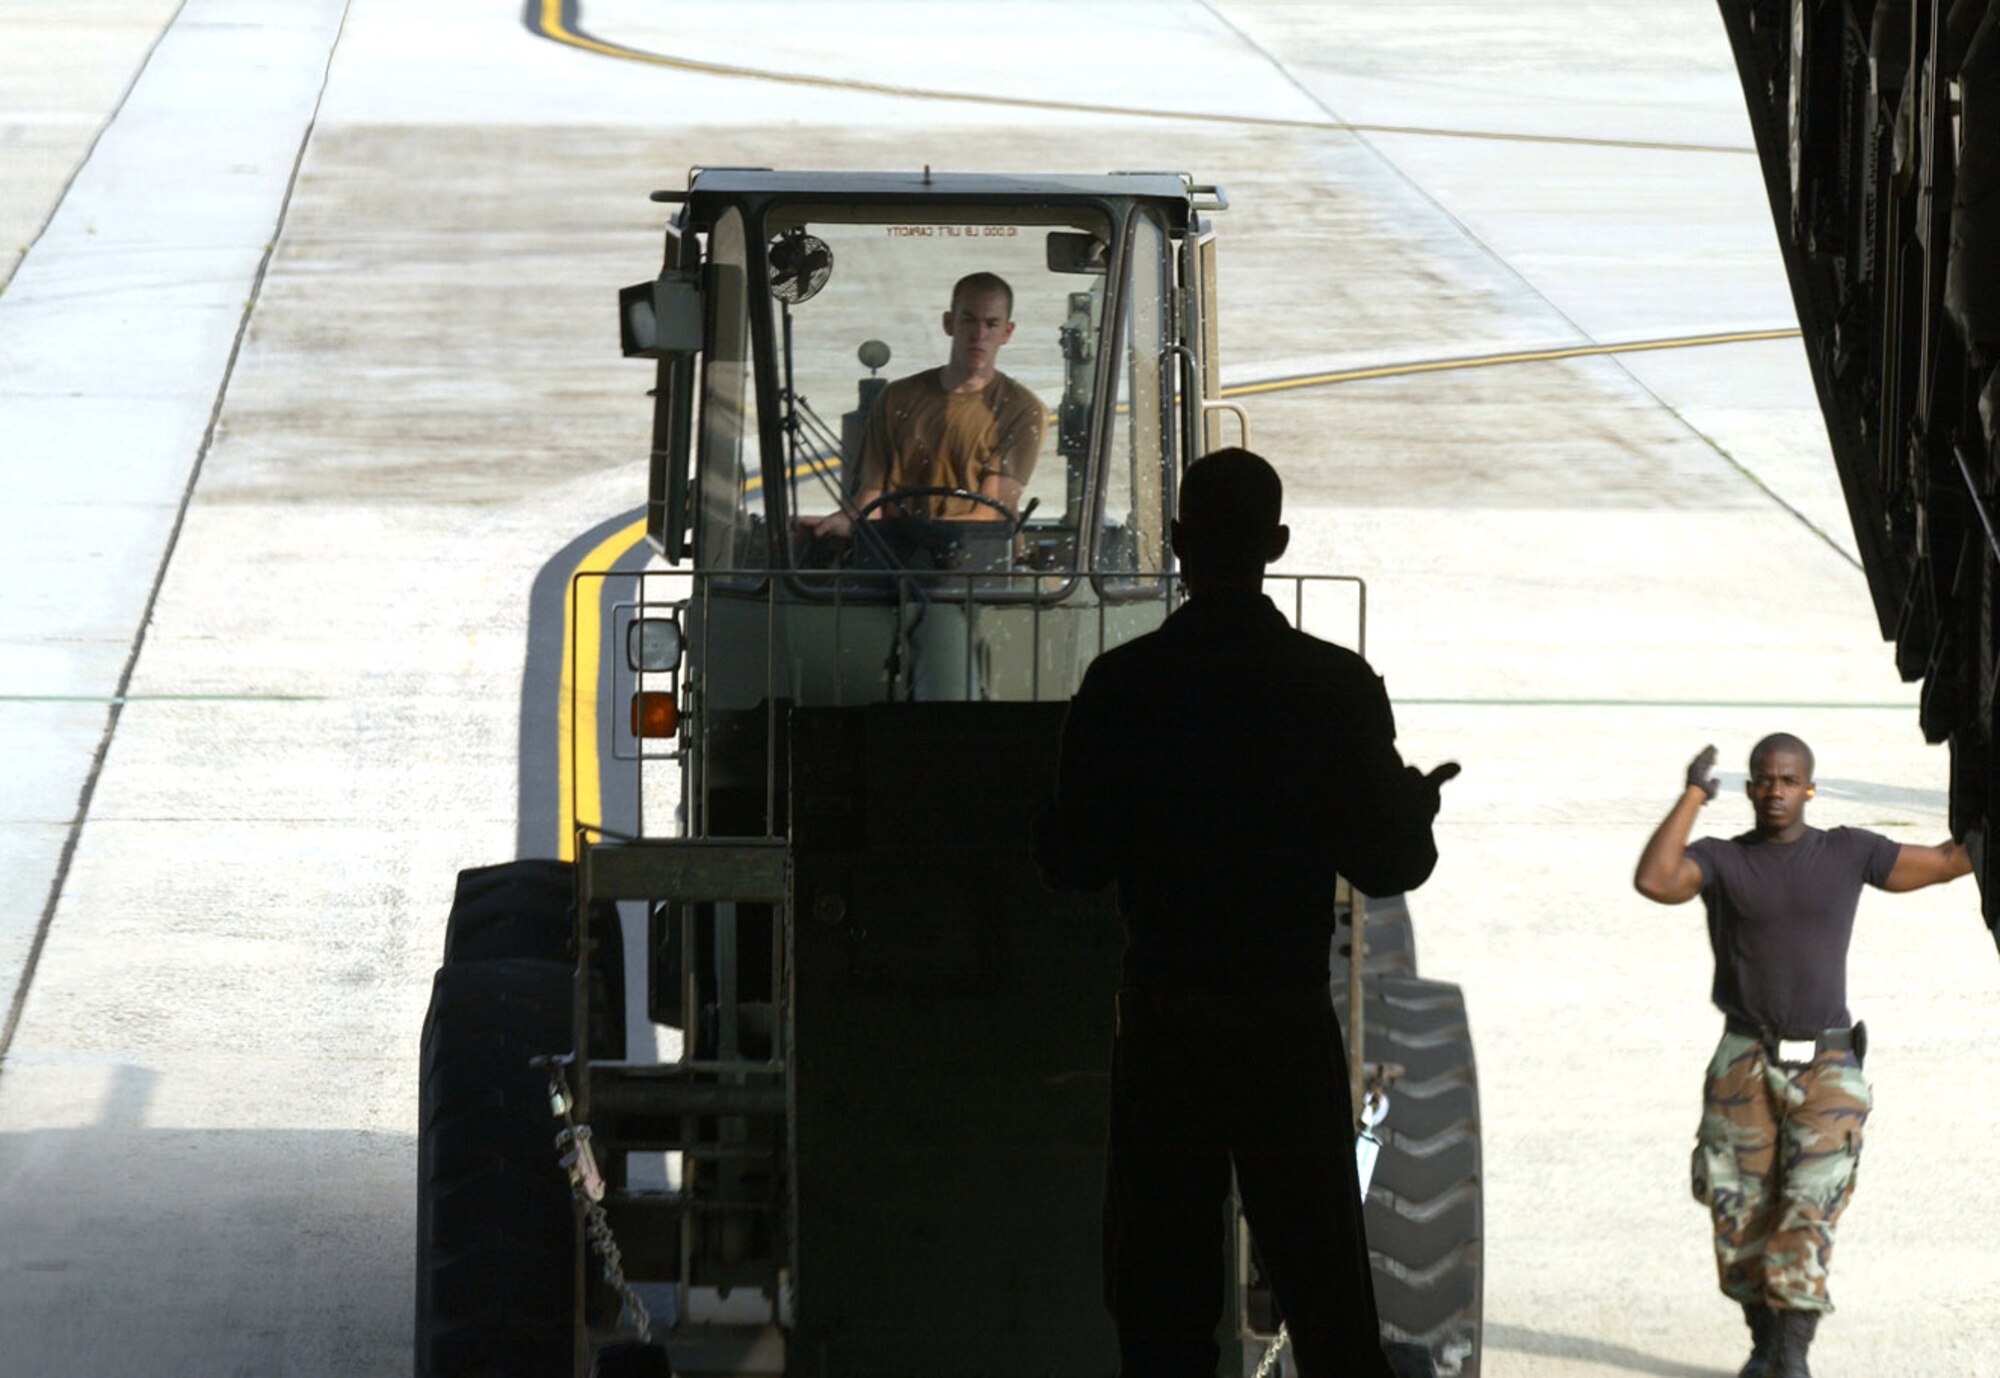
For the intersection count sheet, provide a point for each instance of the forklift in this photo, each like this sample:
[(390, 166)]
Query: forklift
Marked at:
[(872, 1140)]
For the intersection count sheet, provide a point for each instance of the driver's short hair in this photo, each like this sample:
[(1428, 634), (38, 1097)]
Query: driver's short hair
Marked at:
[(982, 282)]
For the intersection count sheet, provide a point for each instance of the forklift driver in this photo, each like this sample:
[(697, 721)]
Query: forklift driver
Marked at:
[(963, 425)]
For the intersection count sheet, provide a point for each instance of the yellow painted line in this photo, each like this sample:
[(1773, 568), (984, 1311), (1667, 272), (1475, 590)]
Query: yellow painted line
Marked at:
[(824, 464), (578, 782), (557, 20), (1526, 356)]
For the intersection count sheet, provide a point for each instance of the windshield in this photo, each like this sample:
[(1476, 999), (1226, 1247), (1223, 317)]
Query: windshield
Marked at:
[(936, 378)]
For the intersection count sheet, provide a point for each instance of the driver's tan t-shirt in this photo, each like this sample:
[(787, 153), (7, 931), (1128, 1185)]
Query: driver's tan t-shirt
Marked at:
[(920, 436)]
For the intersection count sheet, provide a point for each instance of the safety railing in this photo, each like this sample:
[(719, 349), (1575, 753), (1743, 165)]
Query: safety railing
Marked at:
[(755, 643)]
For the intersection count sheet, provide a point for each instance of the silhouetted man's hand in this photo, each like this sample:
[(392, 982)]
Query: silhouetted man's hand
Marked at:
[(1447, 771), (1701, 772)]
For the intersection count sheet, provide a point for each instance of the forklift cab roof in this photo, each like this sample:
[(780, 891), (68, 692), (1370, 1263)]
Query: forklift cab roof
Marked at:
[(1176, 193)]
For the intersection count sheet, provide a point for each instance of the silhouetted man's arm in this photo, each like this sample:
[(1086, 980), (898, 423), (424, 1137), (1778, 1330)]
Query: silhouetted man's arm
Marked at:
[(1389, 806)]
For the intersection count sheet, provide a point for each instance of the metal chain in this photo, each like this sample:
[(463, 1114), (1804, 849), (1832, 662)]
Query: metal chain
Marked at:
[(587, 1185), (1270, 1359)]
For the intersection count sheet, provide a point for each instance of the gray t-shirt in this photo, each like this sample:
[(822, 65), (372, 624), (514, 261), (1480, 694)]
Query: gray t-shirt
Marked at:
[(1780, 915)]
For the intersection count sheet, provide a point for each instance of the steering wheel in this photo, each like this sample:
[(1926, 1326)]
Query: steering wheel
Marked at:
[(897, 494), (911, 540)]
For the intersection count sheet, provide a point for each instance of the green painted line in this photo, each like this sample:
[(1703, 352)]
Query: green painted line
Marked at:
[(1645, 703), (163, 698)]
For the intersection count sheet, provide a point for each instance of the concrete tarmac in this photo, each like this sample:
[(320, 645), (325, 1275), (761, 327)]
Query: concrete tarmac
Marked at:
[(287, 508), (67, 70)]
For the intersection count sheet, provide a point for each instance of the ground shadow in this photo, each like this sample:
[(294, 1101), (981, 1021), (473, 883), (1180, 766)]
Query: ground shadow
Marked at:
[(1554, 1345), (133, 1250)]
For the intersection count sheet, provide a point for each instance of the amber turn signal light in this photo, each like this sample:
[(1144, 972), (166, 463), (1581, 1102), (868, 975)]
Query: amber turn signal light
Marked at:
[(654, 714)]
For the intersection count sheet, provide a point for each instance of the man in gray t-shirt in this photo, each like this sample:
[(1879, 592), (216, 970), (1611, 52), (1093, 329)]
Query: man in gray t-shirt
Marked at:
[(1784, 1101)]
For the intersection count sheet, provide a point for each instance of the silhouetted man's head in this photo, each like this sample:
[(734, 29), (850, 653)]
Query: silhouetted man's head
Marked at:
[(1228, 528)]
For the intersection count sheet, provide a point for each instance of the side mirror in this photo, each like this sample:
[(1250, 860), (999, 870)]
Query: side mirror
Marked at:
[(662, 318), (1072, 251)]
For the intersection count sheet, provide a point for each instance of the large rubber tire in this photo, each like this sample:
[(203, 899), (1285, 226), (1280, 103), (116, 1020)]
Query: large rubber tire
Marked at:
[(515, 909), (1424, 1214), (527, 910), (496, 1225)]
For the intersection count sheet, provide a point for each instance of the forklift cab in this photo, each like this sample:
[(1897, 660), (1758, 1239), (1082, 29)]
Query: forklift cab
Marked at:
[(788, 302)]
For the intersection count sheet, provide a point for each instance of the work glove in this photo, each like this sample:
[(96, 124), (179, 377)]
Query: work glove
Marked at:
[(1701, 772)]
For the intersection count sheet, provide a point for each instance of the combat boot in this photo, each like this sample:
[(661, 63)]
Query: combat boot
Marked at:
[(1794, 1333), (1763, 1340)]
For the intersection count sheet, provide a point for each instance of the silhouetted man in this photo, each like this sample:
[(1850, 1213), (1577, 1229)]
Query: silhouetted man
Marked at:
[(1784, 1100), (1222, 770)]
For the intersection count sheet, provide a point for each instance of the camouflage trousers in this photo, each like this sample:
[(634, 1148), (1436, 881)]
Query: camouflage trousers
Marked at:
[(1774, 1162)]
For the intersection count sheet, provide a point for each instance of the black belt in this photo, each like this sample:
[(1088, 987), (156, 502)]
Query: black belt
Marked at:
[(1787, 1045), (1140, 1007)]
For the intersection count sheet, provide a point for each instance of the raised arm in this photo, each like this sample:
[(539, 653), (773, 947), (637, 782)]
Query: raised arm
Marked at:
[(1917, 867), (1667, 874)]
